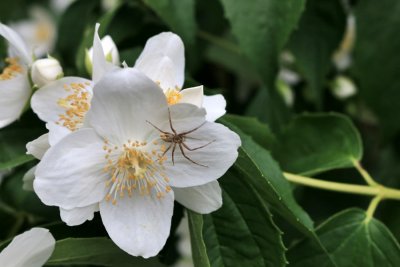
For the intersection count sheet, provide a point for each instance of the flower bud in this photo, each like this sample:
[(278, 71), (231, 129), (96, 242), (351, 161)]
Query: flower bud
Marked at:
[(45, 71), (342, 87), (110, 52)]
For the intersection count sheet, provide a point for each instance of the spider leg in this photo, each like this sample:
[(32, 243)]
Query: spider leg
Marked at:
[(170, 121), (173, 153), (165, 152), (191, 131), (189, 159), (164, 132), (193, 149)]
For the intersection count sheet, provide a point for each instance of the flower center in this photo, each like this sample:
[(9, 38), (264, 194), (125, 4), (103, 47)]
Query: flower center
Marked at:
[(11, 70), (42, 33), (133, 169), (173, 96), (75, 104)]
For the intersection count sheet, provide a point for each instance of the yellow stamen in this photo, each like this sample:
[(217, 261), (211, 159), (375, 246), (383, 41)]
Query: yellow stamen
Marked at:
[(173, 96), (12, 70)]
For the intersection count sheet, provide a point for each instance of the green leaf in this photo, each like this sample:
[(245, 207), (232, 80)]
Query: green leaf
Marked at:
[(13, 140), (73, 25), (375, 67), (353, 240), (241, 232), (251, 126), (315, 143), (264, 174), (199, 250), (94, 251), (262, 28), (320, 31), (179, 15)]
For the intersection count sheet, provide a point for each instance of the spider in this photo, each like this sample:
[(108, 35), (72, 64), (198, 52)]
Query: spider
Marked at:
[(178, 139)]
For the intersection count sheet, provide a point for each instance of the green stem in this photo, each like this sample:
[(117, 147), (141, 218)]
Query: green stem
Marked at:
[(367, 177), (369, 190), (372, 207)]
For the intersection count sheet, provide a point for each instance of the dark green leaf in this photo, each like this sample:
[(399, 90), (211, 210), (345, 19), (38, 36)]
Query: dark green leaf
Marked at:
[(94, 251), (375, 66), (320, 31), (179, 15), (241, 232), (262, 28), (251, 126), (352, 239), (314, 143)]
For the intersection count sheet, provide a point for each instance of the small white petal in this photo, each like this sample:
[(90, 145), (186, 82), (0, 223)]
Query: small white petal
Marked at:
[(202, 199), (110, 50), (100, 64), (218, 152), (56, 132), (124, 100), (215, 106), (139, 225), (30, 249), (78, 216), (17, 45), (193, 95), (39, 146), (44, 101), (70, 174), (163, 60), (28, 178), (14, 94)]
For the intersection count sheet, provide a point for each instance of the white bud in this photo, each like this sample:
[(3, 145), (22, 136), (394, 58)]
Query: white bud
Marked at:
[(343, 87), (45, 71), (110, 52)]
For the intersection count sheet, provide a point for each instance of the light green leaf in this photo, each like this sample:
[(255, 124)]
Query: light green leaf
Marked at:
[(199, 250), (375, 65), (353, 240), (179, 15), (320, 31), (315, 143), (262, 28), (95, 251)]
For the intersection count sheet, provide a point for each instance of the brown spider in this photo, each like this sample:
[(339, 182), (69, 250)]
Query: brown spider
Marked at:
[(175, 139)]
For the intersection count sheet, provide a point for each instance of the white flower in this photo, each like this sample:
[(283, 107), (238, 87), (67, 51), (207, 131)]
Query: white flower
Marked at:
[(39, 32), (163, 61), (46, 70), (63, 105), (15, 89), (122, 164), (30, 249), (110, 52), (342, 57)]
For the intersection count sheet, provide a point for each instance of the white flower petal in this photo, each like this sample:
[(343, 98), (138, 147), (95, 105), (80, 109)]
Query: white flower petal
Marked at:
[(30, 249), (78, 216), (215, 106), (56, 132), (28, 178), (14, 95), (70, 174), (193, 95), (39, 146), (44, 101), (139, 225), (202, 199), (100, 64), (217, 155), (17, 45), (124, 100), (163, 60)]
